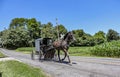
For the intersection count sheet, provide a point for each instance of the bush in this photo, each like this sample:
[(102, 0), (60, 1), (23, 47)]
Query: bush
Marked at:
[(109, 49), (14, 38)]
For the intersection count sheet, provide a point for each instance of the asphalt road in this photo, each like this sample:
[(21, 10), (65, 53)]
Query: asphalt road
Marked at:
[(81, 66)]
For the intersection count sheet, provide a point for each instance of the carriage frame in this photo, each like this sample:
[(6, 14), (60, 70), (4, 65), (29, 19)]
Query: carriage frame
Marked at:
[(42, 47)]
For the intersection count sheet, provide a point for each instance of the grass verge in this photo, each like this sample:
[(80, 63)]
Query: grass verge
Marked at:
[(18, 69), (25, 49), (1, 55)]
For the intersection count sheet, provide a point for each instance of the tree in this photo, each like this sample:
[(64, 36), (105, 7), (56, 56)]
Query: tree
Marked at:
[(99, 37), (17, 22), (100, 34), (47, 30), (112, 35), (78, 33), (82, 38), (33, 26), (61, 30)]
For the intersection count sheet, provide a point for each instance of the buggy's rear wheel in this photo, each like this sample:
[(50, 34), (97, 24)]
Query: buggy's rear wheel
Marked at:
[(40, 55)]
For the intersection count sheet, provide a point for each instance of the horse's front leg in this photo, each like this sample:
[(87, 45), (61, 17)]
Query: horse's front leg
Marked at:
[(68, 57), (59, 55), (65, 54)]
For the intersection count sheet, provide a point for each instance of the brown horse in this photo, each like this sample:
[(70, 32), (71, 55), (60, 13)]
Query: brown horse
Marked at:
[(63, 45)]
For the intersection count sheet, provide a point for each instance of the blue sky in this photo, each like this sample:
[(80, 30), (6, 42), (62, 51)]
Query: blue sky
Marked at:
[(89, 15)]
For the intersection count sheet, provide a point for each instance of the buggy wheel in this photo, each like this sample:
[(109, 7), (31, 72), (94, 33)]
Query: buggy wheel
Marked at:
[(32, 55), (40, 55)]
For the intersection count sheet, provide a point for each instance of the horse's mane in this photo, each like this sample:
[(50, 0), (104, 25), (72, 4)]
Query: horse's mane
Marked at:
[(65, 36)]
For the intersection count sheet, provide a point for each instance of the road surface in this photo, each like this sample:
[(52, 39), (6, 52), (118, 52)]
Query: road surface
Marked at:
[(81, 66)]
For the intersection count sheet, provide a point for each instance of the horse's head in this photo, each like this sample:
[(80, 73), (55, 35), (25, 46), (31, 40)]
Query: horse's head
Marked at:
[(70, 36)]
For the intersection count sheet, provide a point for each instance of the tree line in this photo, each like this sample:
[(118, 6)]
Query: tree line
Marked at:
[(23, 31)]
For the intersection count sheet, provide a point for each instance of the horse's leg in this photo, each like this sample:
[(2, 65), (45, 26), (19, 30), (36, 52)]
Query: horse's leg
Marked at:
[(59, 55), (55, 54), (65, 55), (68, 57)]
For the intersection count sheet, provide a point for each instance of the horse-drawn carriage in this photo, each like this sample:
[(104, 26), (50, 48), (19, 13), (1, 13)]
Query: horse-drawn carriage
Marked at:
[(43, 48)]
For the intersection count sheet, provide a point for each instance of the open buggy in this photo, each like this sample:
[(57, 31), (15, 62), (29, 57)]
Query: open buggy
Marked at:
[(43, 48)]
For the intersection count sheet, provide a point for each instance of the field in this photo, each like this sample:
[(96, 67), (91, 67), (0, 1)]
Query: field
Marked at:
[(18, 69), (79, 51)]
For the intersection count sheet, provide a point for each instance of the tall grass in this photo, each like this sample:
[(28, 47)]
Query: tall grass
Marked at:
[(18, 69), (109, 49)]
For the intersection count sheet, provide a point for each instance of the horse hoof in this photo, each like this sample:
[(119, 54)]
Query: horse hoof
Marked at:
[(70, 64), (60, 61)]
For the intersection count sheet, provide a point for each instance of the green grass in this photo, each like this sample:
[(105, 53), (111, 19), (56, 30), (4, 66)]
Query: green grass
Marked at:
[(25, 49), (1, 55), (79, 51), (18, 69), (74, 51)]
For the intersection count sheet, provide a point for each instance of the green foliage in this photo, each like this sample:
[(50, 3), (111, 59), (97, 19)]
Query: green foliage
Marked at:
[(83, 39), (78, 33), (112, 35), (18, 22), (48, 30), (62, 31), (33, 26), (14, 38), (18, 69), (61, 28), (100, 34), (109, 49), (99, 37), (33, 29)]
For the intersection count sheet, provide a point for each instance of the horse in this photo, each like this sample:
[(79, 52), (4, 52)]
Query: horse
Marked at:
[(63, 45)]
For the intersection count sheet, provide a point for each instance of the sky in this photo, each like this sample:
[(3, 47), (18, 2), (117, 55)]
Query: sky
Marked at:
[(90, 15)]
